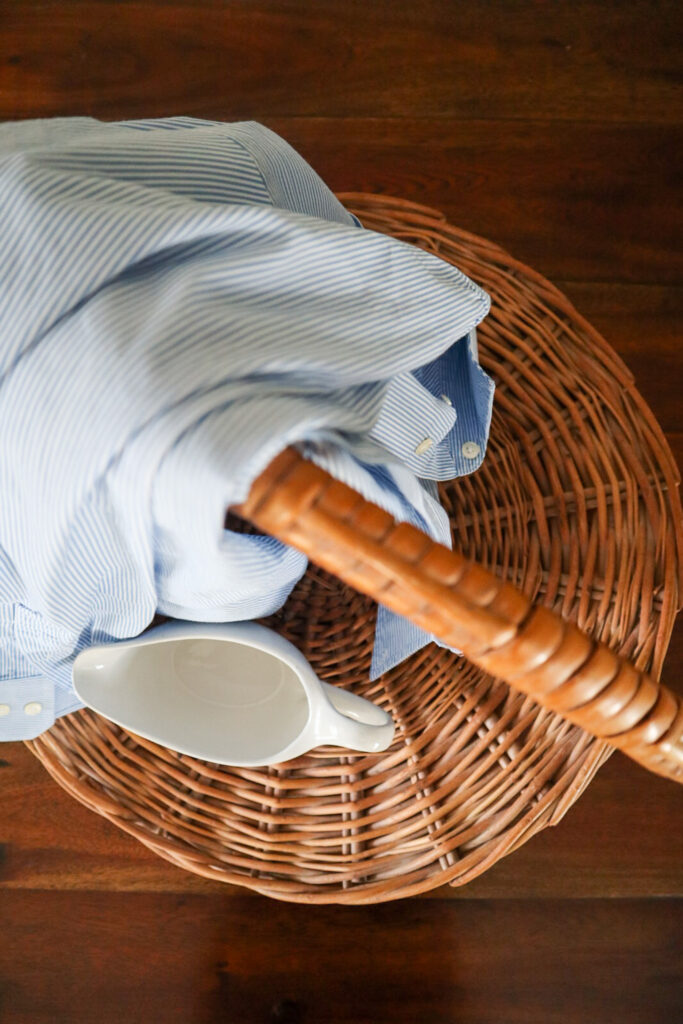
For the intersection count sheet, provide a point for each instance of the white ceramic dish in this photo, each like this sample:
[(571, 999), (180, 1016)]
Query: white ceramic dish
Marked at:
[(233, 693)]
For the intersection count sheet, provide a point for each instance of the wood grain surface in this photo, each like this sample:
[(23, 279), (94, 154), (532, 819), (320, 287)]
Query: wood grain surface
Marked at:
[(141, 957), (555, 130), (595, 61)]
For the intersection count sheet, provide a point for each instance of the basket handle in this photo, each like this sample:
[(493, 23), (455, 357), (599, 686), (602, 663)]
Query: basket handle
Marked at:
[(492, 622)]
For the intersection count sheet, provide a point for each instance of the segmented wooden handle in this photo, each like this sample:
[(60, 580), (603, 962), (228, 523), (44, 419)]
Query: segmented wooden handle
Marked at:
[(492, 622)]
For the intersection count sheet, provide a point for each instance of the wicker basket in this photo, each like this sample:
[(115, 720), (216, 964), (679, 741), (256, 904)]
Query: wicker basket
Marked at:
[(576, 504)]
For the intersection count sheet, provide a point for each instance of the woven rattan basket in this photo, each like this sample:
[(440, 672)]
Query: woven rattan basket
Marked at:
[(576, 504)]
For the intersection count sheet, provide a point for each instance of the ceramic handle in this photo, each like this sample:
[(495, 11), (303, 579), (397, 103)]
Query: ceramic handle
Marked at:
[(355, 723)]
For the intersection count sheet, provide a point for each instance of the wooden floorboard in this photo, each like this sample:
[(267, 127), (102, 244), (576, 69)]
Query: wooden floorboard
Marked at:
[(602, 60), (194, 958)]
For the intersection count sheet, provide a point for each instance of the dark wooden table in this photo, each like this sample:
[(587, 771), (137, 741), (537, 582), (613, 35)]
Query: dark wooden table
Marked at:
[(553, 129)]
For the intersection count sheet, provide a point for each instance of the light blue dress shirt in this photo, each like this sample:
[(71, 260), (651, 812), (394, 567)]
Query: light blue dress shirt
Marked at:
[(180, 300)]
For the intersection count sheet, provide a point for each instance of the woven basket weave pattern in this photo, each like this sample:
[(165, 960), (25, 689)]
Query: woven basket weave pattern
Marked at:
[(576, 502)]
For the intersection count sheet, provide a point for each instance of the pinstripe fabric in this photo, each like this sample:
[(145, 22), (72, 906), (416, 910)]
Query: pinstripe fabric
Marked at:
[(179, 300)]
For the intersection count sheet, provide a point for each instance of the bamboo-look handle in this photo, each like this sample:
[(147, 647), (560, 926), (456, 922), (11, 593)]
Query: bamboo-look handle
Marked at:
[(492, 622)]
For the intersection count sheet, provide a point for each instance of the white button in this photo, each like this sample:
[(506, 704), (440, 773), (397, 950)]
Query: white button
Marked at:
[(470, 449), (424, 446), (33, 707), (4, 709), (446, 399)]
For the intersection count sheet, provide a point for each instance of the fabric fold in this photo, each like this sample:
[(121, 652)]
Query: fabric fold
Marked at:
[(180, 300)]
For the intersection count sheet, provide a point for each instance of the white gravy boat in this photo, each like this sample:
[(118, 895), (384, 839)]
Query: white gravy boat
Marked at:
[(234, 693)]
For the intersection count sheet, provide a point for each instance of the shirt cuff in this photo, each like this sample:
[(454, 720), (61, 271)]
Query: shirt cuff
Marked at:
[(27, 707)]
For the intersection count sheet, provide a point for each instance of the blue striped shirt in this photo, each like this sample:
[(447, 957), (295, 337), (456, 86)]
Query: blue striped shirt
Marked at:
[(179, 300)]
